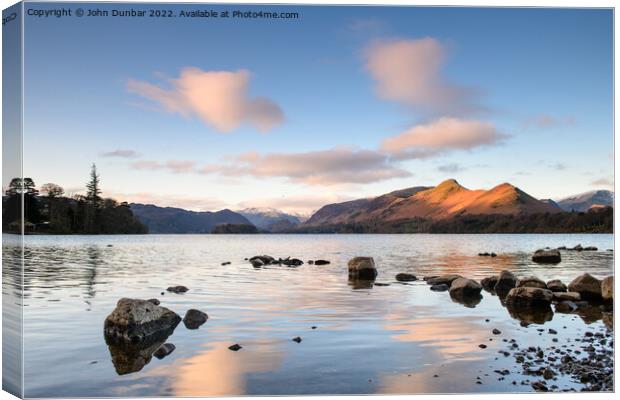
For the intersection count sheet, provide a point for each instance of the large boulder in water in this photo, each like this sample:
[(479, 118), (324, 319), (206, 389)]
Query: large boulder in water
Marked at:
[(194, 319), (505, 282), (587, 286), (531, 281), (547, 257), (362, 268), (462, 288), (526, 297), (405, 277), (489, 283), (135, 321), (607, 288)]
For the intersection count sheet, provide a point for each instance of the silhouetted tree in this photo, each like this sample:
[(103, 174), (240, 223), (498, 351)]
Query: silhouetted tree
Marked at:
[(93, 191)]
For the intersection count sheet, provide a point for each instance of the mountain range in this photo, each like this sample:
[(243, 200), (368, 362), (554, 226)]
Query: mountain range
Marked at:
[(444, 202)]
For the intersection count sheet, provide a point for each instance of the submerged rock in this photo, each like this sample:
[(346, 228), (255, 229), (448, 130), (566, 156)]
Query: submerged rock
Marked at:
[(177, 289), (321, 262), (362, 268), (404, 277), (292, 262), (505, 282), (547, 257), (442, 287), (587, 286), (259, 261), (566, 296), (556, 285), (531, 281), (164, 350), (135, 320), (154, 301), (525, 297), (607, 288), (443, 280), (194, 319), (565, 307)]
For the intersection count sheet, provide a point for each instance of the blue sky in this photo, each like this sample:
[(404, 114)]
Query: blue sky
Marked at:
[(341, 103)]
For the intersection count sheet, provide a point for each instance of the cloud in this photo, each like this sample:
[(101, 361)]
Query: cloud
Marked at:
[(602, 182), (120, 153), (450, 168), (220, 99), (408, 71), (174, 166), (442, 135), (326, 167), (547, 121)]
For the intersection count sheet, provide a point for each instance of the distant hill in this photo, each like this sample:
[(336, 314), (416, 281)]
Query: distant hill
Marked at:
[(587, 200), (270, 219), (177, 220), (447, 200)]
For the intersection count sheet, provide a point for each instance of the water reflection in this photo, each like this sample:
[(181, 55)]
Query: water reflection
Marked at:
[(532, 315)]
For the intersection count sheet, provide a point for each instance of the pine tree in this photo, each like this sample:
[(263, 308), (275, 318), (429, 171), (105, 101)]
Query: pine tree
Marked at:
[(93, 192)]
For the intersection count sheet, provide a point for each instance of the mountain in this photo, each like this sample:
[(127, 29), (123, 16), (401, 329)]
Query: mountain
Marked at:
[(551, 202), (587, 200), (270, 219), (177, 220), (448, 199)]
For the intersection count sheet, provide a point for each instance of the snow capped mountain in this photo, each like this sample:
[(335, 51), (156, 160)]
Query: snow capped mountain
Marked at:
[(266, 218), (584, 201)]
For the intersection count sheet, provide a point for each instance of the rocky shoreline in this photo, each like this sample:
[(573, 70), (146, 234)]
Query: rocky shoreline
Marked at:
[(137, 330)]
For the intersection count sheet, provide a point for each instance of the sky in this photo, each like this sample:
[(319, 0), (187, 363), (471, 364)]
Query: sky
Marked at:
[(339, 103)]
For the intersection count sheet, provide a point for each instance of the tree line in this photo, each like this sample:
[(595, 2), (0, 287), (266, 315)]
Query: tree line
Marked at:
[(48, 210)]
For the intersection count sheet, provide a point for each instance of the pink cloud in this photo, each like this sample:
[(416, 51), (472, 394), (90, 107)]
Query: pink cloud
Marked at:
[(325, 167), (220, 99), (172, 166), (409, 71), (441, 135)]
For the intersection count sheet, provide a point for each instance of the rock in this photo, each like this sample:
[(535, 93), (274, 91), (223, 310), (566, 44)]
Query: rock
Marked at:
[(539, 386), (570, 296), (262, 260), (177, 289), (577, 248), (524, 297), (297, 339), (164, 350), (590, 248), (565, 307), (322, 262), (607, 288), (310, 262), (531, 281), (482, 346), (235, 347), (404, 277), (548, 373), (440, 288), (506, 281), (485, 254), (257, 263), (493, 255), (427, 278), (226, 263), (362, 268), (381, 284), (154, 301), (489, 283), (556, 285), (463, 287), (496, 331), (547, 257), (587, 286), (194, 319), (136, 320), (292, 262), (128, 357), (443, 280)]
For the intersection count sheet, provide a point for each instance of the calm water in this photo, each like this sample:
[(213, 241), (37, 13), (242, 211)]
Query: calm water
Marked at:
[(383, 339)]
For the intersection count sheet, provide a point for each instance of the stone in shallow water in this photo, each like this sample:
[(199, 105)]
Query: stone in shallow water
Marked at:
[(531, 281), (489, 283), (562, 296), (235, 347), (135, 320), (321, 262), (607, 288), (177, 289), (528, 297), (442, 287), (556, 285), (506, 281), (443, 280), (362, 268), (405, 277), (547, 257), (465, 288), (164, 350), (194, 319), (587, 286)]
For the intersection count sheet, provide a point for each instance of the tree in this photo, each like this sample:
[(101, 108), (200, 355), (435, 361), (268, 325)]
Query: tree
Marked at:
[(19, 186), (93, 192), (52, 190)]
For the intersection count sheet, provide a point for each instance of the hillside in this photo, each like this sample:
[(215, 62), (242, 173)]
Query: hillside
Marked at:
[(447, 200), (270, 219), (584, 201), (177, 220)]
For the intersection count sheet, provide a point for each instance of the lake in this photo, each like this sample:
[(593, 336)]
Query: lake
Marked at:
[(401, 338)]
